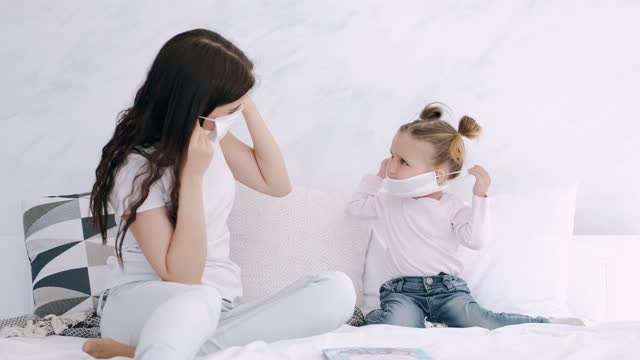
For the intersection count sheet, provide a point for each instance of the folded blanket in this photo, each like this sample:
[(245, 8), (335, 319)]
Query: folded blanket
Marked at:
[(85, 325), (357, 319)]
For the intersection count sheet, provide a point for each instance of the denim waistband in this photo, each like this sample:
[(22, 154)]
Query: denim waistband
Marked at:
[(425, 282), (439, 279)]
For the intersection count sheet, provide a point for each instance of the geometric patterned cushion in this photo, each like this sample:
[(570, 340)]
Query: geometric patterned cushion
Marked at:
[(68, 260)]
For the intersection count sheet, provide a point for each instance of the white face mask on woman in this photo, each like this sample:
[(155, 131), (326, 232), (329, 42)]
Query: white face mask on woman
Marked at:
[(223, 124), (419, 185)]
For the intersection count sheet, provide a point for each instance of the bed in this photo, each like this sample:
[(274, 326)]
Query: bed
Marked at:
[(615, 340), (595, 274)]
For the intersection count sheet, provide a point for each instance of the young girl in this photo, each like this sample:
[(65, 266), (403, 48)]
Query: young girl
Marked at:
[(423, 226), (169, 174)]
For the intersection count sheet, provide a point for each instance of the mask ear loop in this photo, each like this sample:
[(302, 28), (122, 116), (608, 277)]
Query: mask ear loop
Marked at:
[(202, 120), (451, 173)]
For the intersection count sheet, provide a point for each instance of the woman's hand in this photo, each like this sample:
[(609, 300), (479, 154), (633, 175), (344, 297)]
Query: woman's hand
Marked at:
[(483, 181), (199, 153), (262, 166), (383, 168), (248, 106)]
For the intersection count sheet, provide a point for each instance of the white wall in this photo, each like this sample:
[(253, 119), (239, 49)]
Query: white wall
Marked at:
[(555, 85)]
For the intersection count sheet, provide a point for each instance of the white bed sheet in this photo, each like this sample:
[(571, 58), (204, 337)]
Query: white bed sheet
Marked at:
[(620, 340), (48, 348)]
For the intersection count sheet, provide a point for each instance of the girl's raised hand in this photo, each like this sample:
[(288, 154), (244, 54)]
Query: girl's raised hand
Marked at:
[(383, 168), (483, 181)]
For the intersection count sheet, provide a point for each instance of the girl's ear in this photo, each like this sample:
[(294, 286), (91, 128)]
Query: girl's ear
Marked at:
[(440, 176)]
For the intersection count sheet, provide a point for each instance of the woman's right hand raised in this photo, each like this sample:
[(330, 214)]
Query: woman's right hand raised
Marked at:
[(199, 153)]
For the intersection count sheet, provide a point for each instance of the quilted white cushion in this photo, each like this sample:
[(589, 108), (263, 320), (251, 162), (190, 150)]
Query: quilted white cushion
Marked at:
[(275, 241)]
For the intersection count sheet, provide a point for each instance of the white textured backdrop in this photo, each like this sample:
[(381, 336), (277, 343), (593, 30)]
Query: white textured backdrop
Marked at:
[(555, 84)]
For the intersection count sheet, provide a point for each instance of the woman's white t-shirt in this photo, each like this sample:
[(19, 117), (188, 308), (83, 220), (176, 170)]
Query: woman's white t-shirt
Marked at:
[(218, 196)]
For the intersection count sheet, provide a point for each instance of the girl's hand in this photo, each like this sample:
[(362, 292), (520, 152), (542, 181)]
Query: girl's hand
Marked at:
[(483, 181), (383, 168), (199, 153)]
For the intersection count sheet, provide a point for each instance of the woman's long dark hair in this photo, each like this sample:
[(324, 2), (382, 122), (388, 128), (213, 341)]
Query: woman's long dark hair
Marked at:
[(193, 73)]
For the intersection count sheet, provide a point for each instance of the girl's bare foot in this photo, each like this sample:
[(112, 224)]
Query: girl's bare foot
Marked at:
[(107, 348), (567, 321)]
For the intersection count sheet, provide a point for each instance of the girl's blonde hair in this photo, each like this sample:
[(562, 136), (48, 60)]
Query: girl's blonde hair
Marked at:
[(446, 140)]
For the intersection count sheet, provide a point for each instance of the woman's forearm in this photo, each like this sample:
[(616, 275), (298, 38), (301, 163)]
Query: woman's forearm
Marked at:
[(266, 151), (187, 250)]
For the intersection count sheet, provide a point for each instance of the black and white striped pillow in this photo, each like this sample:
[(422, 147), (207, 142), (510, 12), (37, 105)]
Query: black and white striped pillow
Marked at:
[(68, 260)]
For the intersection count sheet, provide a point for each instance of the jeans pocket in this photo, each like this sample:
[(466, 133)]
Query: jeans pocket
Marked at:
[(386, 289)]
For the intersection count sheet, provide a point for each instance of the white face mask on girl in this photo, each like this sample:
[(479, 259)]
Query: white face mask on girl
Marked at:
[(223, 124), (419, 185)]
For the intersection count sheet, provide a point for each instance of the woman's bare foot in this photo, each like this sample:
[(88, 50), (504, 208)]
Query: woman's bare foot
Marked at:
[(107, 348)]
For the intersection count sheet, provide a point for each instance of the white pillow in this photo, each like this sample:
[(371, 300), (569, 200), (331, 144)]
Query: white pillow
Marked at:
[(373, 274), (524, 268), (276, 241)]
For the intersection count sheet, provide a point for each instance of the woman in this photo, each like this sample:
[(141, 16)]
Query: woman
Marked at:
[(168, 173)]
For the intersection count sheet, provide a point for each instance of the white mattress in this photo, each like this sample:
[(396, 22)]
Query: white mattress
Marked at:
[(620, 340)]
